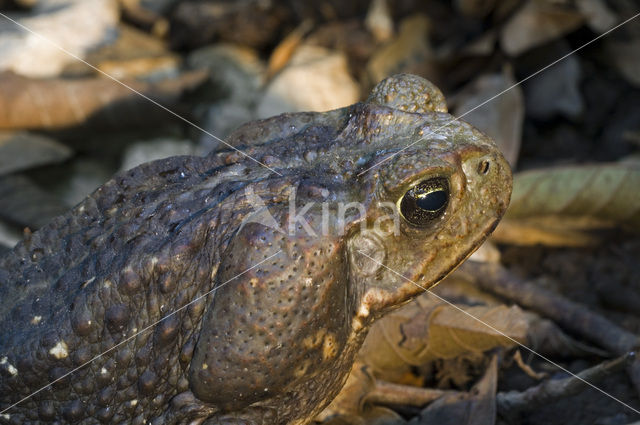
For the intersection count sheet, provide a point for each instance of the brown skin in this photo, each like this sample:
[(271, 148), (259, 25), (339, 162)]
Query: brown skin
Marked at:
[(274, 344)]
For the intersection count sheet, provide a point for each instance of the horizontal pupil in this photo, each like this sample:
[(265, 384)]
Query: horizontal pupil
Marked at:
[(432, 201)]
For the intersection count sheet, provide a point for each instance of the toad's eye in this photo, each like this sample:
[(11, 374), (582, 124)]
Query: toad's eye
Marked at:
[(425, 202)]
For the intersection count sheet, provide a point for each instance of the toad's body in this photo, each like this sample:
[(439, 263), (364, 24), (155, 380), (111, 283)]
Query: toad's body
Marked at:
[(298, 283)]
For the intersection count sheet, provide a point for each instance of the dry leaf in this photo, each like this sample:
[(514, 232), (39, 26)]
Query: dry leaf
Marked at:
[(255, 24), (501, 118), (75, 26), (452, 332), (406, 53), (357, 401), (428, 329), (100, 102), (371, 416), (605, 192), (477, 407), (538, 22), (25, 204), (379, 21), (543, 335), (351, 398), (557, 90), (282, 53), (21, 151), (626, 59), (315, 79), (599, 17), (378, 415), (548, 231), (145, 17), (133, 54)]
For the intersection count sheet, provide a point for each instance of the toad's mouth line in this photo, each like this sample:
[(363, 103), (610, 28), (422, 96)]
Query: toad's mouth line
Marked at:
[(544, 68), (531, 350)]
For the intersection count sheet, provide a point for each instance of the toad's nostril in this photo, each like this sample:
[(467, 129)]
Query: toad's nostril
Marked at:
[(483, 167)]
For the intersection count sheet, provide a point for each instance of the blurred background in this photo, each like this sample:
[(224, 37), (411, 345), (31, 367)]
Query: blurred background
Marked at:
[(67, 128), (66, 125)]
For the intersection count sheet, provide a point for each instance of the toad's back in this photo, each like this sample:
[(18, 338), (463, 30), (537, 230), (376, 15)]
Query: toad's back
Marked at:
[(103, 272), (145, 244)]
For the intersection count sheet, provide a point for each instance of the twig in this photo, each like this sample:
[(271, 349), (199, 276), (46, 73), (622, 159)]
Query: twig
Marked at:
[(406, 395), (568, 314), (513, 402)]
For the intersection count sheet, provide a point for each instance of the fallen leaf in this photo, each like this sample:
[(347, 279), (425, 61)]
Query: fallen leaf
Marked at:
[(607, 192), (428, 329), (100, 102), (548, 231), (452, 332), (25, 204), (350, 400), (316, 79), (536, 23), (282, 53), (144, 15), (134, 54), (477, 407), (599, 17), (357, 402), (252, 24), (379, 21), (22, 150), (501, 118), (556, 91), (75, 26), (407, 52)]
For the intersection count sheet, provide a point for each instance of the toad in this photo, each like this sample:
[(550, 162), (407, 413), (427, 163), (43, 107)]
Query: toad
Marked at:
[(236, 288)]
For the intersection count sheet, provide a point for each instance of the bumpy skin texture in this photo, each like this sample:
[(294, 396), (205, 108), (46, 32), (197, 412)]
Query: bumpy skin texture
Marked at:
[(275, 342)]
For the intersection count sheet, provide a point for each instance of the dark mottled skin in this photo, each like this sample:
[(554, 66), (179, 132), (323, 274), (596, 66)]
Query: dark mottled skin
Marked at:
[(275, 344)]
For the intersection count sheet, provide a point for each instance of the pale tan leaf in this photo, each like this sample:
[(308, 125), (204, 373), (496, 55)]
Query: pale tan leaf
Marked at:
[(606, 192), (379, 21), (61, 103), (380, 349), (536, 23), (349, 401), (550, 231), (452, 332), (75, 27), (428, 329)]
